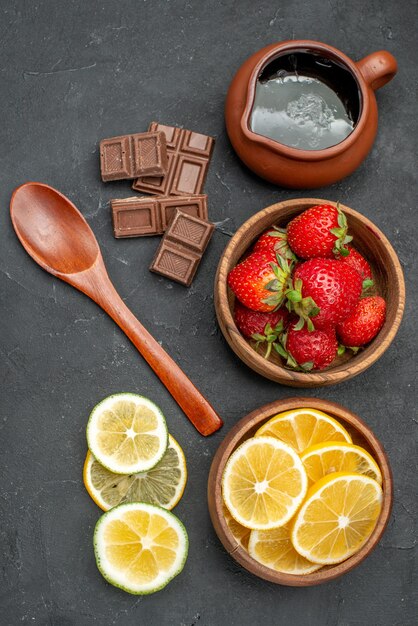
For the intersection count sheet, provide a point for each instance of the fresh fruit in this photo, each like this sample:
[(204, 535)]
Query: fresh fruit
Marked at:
[(162, 485), (302, 428), (127, 433), (333, 289), (364, 322), (263, 483), (320, 231), (140, 547), (309, 350), (259, 283), (264, 328), (274, 549), (274, 241), (254, 322), (359, 263), (332, 456), (240, 533), (337, 517)]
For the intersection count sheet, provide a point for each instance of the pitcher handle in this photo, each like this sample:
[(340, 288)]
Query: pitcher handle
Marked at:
[(378, 68)]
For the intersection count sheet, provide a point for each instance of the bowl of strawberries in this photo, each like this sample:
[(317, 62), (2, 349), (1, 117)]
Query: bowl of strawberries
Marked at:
[(309, 292)]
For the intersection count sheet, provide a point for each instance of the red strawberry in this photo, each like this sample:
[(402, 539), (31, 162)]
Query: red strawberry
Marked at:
[(274, 241), (356, 260), (259, 283), (325, 290), (320, 231), (264, 328), (309, 350), (364, 323), (254, 322)]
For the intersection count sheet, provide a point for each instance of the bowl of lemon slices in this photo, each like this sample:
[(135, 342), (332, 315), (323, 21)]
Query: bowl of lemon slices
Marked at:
[(300, 491)]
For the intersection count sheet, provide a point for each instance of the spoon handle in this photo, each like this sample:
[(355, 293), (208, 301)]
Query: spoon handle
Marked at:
[(100, 288)]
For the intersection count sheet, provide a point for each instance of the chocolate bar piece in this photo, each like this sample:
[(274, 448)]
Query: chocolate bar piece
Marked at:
[(182, 248), (188, 154), (145, 215), (143, 154)]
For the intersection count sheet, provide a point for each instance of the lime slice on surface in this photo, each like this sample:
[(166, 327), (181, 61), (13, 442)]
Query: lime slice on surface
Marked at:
[(127, 433), (162, 485), (140, 547)]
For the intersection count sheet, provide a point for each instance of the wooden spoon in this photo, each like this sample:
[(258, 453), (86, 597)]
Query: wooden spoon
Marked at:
[(58, 238)]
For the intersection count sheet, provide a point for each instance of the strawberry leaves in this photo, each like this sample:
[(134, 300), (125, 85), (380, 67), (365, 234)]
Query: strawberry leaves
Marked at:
[(367, 284), (305, 308), (282, 247), (270, 336), (277, 285), (290, 360), (340, 246)]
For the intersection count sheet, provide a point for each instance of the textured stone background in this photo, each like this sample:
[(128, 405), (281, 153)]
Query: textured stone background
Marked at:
[(72, 73)]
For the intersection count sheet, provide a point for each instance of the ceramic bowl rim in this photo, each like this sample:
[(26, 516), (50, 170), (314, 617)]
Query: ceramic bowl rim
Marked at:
[(295, 153)]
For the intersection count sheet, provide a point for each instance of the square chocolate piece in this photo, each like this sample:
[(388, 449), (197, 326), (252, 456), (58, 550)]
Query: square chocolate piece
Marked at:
[(135, 217), (190, 232), (143, 154), (188, 154), (176, 263), (182, 248), (144, 215)]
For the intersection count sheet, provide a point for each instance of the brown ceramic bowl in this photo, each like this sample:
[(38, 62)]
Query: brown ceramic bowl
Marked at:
[(389, 283), (246, 427)]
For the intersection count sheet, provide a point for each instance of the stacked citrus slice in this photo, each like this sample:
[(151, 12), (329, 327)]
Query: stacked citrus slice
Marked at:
[(136, 471), (162, 485), (305, 494), (140, 547)]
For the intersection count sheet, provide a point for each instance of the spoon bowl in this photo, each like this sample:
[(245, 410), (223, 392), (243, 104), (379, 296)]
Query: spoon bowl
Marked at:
[(52, 230)]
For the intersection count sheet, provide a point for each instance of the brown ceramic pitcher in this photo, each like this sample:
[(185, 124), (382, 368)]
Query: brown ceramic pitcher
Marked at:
[(300, 168)]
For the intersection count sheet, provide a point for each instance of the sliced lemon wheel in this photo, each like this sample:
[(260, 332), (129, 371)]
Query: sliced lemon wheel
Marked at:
[(302, 428), (263, 484), (274, 549), (241, 533), (337, 517), (163, 484), (127, 433), (329, 457), (140, 547)]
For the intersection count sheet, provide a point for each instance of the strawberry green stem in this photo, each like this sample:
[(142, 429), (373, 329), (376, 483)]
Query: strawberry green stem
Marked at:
[(340, 246), (304, 308)]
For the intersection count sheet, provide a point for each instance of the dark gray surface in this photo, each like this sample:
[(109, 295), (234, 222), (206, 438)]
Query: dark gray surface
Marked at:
[(72, 73)]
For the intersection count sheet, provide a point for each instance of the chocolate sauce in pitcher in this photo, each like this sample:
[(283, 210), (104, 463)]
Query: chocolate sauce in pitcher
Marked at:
[(305, 101)]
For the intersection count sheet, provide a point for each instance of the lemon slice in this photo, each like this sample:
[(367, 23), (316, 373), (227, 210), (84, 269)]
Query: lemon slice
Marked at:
[(263, 484), (274, 549), (163, 484), (140, 547), (337, 517), (241, 533), (329, 457), (302, 428), (127, 433)]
